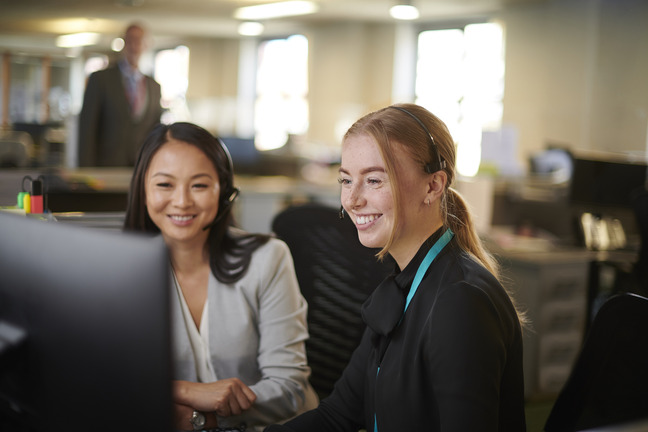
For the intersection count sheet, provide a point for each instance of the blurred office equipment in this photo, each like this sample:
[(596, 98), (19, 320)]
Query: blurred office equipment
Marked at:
[(606, 182), (84, 329), (336, 274), (608, 193), (573, 241), (551, 287), (640, 269), (49, 142), (600, 186), (609, 382), (16, 149), (244, 155), (250, 161)]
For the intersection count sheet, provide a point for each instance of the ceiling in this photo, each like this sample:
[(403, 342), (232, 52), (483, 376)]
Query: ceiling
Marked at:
[(33, 24)]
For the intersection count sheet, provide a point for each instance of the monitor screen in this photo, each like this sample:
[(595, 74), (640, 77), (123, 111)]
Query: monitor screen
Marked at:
[(602, 183), (84, 329)]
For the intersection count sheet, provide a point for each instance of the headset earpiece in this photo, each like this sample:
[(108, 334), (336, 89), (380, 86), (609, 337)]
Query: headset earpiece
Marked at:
[(230, 193), (229, 200)]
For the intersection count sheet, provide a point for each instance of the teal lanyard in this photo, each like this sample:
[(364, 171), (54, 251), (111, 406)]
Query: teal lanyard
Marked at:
[(423, 268), (427, 261)]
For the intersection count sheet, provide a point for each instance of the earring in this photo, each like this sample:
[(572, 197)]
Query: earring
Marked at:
[(341, 214), (427, 202)]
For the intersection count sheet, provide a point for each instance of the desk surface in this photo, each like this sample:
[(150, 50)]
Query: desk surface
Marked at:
[(501, 242)]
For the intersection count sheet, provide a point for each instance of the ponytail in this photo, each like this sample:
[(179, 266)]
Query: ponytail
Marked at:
[(459, 220)]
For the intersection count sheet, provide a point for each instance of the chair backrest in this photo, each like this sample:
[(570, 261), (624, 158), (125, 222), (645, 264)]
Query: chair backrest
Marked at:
[(640, 203), (608, 384), (336, 274)]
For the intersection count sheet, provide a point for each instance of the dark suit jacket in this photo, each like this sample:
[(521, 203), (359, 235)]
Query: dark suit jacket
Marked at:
[(108, 133)]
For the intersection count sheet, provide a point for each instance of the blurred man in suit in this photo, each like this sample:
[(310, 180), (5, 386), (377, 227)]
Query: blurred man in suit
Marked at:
[(120, 107)]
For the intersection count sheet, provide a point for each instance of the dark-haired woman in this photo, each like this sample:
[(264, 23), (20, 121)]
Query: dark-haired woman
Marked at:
[(238, 318), (442, 351)]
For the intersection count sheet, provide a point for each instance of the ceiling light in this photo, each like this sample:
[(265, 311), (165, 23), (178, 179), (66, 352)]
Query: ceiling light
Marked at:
[(275, 10), (404, 11), (250, 28), (117, 44), (77, 40)]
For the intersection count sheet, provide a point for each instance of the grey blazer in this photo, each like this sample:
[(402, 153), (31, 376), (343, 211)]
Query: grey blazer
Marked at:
[(257, 329), (108, 134)]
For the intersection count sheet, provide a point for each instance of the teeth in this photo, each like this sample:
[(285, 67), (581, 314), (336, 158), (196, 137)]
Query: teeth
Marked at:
[(361, 220), (181, 218)]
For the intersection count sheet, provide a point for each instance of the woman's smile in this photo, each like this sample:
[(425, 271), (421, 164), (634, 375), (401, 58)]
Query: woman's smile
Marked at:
[(364, 221), (182, 220)]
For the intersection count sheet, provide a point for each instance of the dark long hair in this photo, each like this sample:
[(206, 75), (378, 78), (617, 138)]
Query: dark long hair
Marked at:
[(229, 253)]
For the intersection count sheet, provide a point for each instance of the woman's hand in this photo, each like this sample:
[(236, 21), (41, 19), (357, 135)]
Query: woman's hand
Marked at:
[(225, 397), (182, 418)]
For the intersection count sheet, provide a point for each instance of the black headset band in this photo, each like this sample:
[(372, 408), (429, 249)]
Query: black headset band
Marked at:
[(439, 164)]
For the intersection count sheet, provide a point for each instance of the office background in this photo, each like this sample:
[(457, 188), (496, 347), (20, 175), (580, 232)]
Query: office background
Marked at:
[(575, 77), (574, 69)]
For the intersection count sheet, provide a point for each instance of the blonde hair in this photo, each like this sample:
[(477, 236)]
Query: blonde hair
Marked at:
[(390, 127)]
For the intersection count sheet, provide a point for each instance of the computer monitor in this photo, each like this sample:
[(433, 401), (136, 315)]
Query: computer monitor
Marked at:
[(84, 329), (598, 183)]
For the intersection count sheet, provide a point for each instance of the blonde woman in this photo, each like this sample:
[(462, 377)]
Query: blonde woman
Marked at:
[(443, 345)]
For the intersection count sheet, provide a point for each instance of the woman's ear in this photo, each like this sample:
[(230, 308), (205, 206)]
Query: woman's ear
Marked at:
[(436, 184)]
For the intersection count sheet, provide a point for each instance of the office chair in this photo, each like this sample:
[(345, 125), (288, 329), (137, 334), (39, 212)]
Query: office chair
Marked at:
[(608, 384), (640, 204), (336, 275)]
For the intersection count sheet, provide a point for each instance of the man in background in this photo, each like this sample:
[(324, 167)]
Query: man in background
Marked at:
[(120, 107)]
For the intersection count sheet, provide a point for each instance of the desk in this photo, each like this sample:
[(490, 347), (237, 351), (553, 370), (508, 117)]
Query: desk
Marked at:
[(551, 287), (105, 190), (560, 290)]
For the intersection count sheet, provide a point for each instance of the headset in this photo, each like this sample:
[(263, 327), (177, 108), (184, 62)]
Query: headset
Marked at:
[(439, 164), (230, 193)]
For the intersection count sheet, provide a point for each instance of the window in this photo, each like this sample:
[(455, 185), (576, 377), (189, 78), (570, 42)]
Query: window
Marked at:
[(460, 78), (172, 73), (281, 107)]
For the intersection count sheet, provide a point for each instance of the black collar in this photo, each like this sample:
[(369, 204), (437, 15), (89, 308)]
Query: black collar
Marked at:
[(383, 310)]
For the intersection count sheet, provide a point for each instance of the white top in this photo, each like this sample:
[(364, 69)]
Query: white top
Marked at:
[(253, 329), (199, 339)]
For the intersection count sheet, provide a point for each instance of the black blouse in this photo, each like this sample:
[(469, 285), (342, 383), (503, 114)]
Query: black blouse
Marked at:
[(453, 362)]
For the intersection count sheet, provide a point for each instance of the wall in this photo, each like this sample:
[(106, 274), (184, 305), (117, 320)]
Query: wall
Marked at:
[(213, 83), (576, 74), (620, 97), (350, 74)]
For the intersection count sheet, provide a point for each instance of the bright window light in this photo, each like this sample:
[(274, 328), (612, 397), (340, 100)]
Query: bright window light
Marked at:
[(172, 72), (281, 107), (275, 10), (460, 78), (94, 64)]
